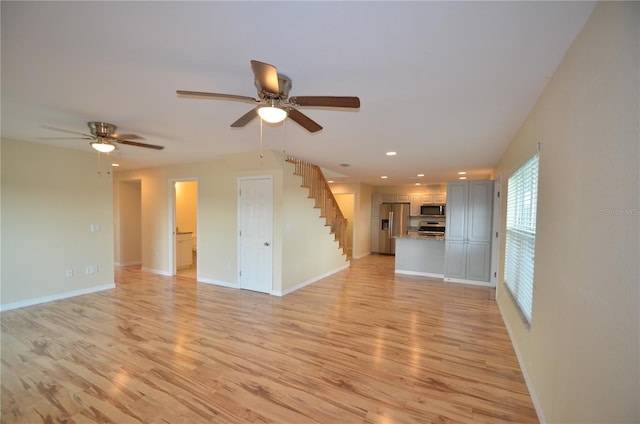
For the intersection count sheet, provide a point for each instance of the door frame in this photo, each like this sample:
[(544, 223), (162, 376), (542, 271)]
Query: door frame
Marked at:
[(172, 221)]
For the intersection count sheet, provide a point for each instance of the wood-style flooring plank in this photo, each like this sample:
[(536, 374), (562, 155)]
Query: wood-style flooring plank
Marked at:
[(362, 346)]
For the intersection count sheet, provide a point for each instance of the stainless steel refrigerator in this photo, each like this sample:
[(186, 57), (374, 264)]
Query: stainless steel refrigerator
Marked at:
[(394, 220)]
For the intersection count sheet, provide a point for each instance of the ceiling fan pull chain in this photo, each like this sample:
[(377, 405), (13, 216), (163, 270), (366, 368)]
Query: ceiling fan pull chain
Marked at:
[(284, 135), (260, 138)]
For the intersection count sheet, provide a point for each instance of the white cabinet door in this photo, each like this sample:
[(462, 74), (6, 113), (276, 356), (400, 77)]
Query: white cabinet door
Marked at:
[(455, 259), (426, 198), (415, 204), (403, 198), (480, 211), (478, 261), (389, 197), (468, 230), (440, 198), (376, 201), (456, 227)]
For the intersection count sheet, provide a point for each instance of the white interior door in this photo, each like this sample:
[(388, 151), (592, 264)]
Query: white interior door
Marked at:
[(255, 209)]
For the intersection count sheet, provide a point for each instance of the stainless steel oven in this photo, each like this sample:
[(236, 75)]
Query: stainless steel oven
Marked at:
[(431, 228)]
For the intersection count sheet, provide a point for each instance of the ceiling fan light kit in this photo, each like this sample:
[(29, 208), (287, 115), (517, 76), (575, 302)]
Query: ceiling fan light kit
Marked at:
[(274, 104), (103, 146), (272, 114)]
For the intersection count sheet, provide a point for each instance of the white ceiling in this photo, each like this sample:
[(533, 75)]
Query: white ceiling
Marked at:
[(445, 84)]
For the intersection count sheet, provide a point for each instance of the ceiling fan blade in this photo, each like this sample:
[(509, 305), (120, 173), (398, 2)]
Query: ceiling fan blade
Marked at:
[(65, 138), (245, 119), (216, 96), (304, 121), (121, 137), (326, 101), (137, 144), (267, 76), (67, 131)]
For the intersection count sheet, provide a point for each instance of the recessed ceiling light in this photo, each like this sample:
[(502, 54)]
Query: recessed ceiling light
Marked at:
[(417, 184), (330, 181), (462, 173), (391, 153), (420, 175), (384, 177), (115, 164), (462, 178)]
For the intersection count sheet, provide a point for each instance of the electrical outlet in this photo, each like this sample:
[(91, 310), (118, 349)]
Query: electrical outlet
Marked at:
[(69, 272), (95, 228), (92, 269)]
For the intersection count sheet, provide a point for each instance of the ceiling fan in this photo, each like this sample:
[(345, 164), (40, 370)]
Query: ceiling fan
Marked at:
[(274, 104), (104, 137)]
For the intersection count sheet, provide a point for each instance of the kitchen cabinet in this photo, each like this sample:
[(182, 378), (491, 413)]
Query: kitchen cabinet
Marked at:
[(468, 231), (376, 201), (415, 202), (395, 198), (184, 249), (418, 200)]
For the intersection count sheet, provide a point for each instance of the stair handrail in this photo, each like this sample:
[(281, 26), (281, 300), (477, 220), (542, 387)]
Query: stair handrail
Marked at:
[(319, 190)]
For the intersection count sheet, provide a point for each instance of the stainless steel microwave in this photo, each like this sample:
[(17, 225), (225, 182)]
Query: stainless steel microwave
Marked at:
[(433, 210)]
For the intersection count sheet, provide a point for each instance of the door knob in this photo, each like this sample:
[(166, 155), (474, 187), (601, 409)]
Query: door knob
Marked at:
[(266, 243)]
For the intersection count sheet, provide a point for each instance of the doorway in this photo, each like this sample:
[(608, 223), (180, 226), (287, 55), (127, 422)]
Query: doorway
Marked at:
[(185, 240), (255, 244)]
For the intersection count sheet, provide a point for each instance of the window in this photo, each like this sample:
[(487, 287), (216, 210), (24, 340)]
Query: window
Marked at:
[(522, 200)]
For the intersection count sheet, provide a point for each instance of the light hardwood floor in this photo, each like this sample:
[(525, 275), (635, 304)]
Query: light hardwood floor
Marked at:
[(362, 346)]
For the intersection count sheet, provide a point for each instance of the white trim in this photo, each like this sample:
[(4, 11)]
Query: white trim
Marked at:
[(420, 274), (118, 264), (527, 379), (156, 271), (218, 283), (473, 282), (59, 296), (281, 293), (362, 256)]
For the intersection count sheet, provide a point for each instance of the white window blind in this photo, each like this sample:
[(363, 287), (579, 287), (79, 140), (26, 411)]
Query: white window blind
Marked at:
[(522, 199)]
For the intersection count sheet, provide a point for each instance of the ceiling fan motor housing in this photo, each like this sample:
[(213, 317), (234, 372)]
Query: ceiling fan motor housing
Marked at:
[(102, 129)]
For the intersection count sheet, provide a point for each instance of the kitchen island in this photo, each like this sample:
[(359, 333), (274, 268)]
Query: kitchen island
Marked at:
[(420, 255)]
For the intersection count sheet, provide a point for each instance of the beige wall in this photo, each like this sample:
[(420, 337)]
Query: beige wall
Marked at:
[(581, 354), (361, 215), (128, 224), (51, 198), (296, 222)]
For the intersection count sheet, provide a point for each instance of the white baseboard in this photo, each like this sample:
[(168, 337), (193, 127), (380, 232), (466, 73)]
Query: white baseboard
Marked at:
[(60, 296), (527, 379), (419, 274), (298, 286), (217, 282), (156, 271), (120, 264), (473, 282)]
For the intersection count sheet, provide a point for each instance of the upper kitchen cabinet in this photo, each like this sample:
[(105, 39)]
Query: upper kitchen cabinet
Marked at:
[(419, 199), (468, 231), (395, 198)]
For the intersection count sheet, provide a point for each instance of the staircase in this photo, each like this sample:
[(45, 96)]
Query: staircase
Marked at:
[(314, 180)]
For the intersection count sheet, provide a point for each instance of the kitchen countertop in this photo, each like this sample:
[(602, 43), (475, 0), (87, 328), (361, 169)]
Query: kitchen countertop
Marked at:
[(419, 237)]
